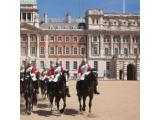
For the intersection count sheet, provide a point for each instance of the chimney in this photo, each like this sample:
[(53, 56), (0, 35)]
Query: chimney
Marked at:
[(69, 17), (45, 17)]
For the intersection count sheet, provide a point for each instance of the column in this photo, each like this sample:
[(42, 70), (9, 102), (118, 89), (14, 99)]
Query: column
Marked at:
[(121, 45), (31, 16), (111, 45), (131, 45), (138, 70), (117, 71), (89, 45), (46, 46), (21, 17), (125, 71), (46, 51), (26, 17), (101, 45), (28, 35), (38, 36)]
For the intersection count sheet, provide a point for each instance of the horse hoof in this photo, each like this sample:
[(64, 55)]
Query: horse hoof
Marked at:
[(61, 111), (83, 109)]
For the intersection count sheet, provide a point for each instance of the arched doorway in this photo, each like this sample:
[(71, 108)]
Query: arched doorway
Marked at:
[(121, 74), (131, 72)]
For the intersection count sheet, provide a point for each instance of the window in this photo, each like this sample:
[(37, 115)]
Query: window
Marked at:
[(75, 39), (135, 51), (95, 51), (126, 39), (75, 50), (125, 51), (41, 50), (29, 16), (67, 65), (74, 65), (33, 63), (82, 39), (23, 51), (52, 38), (24, 37), (67, 38), (42, 38), (82, 51), (107, 65), (95, 39), (24, 16), (67, 50), (42, 64), (33, 50), (51, 63), (51, 50), (106, 51), (33, 38), (59, 39), (96, 65), (107, 38), (59, 50), (116, 51)]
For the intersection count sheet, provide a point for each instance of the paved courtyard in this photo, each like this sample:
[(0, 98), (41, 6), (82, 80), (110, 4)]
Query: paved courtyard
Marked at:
[(119, 100)]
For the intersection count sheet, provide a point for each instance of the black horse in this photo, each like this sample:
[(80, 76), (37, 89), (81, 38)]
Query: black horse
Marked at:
[(30, 94), (43, 87), (21, 83), (57, 91), (86, 88)]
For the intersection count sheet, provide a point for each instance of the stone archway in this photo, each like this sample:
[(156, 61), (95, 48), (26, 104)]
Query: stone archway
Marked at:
[(131, 72)]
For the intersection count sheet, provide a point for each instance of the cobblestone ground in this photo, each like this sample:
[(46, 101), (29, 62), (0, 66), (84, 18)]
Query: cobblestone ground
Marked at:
[(119, 100)]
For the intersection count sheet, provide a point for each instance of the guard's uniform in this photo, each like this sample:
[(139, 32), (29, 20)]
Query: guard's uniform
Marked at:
[(83, 70), (32, 70)]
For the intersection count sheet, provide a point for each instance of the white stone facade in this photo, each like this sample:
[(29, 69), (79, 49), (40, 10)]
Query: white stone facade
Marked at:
[(112, 43)]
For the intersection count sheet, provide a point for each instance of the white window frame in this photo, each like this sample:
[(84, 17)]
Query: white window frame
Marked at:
[(75, 48), (42, 50), (76, 39), (59, 39), (60, 49), (66, 50), (50, 51)]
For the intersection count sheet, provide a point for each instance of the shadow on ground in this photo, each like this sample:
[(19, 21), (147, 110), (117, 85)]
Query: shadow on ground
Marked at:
[(42, 106), (70, 111)]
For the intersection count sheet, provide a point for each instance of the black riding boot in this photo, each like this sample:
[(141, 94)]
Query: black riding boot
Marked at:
[(36, 87), (67, 91), (95, 90)]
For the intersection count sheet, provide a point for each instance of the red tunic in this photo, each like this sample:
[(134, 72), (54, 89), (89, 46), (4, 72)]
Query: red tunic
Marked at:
[(34, 70), (51, 71)]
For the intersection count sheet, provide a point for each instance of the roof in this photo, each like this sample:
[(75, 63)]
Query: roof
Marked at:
[(28, 2), (62, 24)]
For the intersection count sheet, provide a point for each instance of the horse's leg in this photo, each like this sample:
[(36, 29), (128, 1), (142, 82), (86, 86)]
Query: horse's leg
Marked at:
[(26, 103), (64, 104), (51, 101), (57, 102), (84, 103), (79, 99), (90, 102)]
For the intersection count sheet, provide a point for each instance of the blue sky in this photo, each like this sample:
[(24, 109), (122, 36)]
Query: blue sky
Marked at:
[(59, 8)]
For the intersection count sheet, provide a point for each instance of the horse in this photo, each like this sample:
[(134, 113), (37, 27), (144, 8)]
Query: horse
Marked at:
[(30, 95), (85, 88), (57, 91), (21, 83), (43, 86)]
